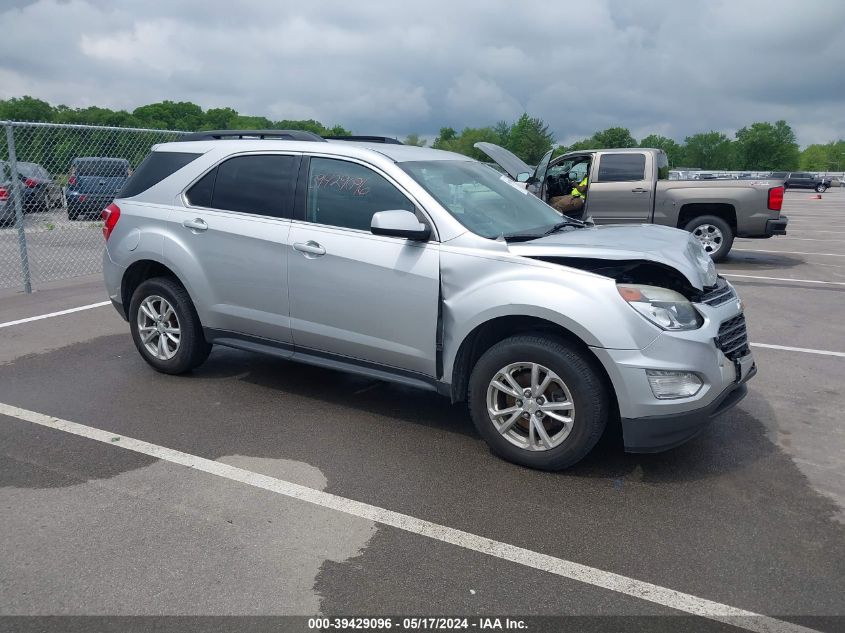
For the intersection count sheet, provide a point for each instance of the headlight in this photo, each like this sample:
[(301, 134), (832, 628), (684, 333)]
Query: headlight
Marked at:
[(665, 308)]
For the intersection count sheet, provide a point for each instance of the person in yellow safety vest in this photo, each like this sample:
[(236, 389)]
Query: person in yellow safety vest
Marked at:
[(572, 204), (580, 189)]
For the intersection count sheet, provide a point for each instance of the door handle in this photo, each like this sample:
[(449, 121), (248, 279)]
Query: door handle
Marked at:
[(310, 248), (639, 190), (197, 224)]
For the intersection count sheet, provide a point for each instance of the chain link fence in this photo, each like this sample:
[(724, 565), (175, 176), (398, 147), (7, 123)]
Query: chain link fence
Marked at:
[(54, 181)]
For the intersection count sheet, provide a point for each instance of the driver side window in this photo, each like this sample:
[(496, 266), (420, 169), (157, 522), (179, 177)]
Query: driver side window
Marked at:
[(347, 194)]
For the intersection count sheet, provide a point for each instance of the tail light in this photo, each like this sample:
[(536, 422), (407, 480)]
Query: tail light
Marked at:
[(4, 194), (111, 214), (71, 180), (30, 183), (776, 198)]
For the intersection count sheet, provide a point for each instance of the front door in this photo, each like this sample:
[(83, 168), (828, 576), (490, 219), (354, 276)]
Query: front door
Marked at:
[(235, 230), (355, 294), (621, 189)]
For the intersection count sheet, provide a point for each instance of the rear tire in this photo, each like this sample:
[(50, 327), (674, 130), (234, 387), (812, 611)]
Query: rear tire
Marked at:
[(165, 326), (715, 235), (821, 188), (575, 381)]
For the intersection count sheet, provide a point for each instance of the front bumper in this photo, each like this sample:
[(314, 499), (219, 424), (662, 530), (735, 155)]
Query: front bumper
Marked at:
[(652, 424), (658, 433), (777, 226)]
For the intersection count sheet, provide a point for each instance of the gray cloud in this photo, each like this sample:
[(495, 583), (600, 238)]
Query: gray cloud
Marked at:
[(389, 67)]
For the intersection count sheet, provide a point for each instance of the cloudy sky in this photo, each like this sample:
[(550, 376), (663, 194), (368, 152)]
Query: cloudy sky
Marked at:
[(396, 67)]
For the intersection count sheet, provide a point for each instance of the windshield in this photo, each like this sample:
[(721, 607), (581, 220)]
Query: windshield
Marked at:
[(481, 199), (33, 170)]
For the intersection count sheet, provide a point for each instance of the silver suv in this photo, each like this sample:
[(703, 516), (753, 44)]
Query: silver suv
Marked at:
[(429, 269)]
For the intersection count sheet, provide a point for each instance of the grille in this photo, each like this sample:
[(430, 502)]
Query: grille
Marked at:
[(722, 293), (733, 338)]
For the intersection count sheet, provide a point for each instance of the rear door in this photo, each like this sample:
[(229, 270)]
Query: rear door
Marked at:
[(621, 188), (235, 227), (368, 297), (801, 179)]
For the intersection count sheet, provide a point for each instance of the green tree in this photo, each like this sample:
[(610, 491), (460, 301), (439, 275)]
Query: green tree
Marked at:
[(446, 135), (767, 146), (529, 138), (26, 109), (463, 142), (613, 137), (414, 139), (219, 119), (170, 115), (672, 149), (709, 150), (827, 157)]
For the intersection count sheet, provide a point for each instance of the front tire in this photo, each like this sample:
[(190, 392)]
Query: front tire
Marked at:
[(715, 235), (165, 327), (821, 188), (560, 412)]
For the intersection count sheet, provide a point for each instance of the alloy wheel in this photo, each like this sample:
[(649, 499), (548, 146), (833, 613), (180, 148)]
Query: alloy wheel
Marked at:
[(710, 236), (530, 406), (158, 327)]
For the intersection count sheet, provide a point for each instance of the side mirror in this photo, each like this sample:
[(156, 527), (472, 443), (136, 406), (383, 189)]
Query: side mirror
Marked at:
[(523, 176), (399, 224)]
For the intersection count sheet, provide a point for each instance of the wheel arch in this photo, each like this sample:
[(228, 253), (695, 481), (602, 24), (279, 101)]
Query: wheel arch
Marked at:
[(138, 272), (483, 336), (692, 210)]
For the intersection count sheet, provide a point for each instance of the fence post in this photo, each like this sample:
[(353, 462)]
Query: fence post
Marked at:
[(19, 215)]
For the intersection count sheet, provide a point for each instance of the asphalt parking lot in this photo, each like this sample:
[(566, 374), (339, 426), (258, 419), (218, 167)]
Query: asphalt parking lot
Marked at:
[(211, 514)]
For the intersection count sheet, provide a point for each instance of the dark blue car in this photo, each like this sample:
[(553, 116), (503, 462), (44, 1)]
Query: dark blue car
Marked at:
[(93, 183)]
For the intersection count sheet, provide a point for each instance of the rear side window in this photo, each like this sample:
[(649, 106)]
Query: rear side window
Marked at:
[(262, 185), (155, 168), (662, 166), (621, 168), (103, 168), (347, 194)]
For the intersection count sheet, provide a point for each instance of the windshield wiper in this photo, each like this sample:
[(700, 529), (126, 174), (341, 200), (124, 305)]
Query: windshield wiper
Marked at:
[(568, 222), (580, 224)]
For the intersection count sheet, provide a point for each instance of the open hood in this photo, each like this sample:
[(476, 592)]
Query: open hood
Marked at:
[(626, 243), (507, 160)]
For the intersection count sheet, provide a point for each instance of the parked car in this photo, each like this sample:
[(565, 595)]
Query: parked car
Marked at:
[(632, 186), (92, 184), (41, 191), (806, 180), (7, 207), (428, 269)]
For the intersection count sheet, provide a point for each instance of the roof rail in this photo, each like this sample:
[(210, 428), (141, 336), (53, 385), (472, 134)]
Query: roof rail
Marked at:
[(366, 139), (284, 135)]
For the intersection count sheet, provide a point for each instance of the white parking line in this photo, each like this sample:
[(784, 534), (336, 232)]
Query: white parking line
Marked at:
[(54, 314), (754, 250), (789, 237), (677, 600), (804, 350), (802, 281)]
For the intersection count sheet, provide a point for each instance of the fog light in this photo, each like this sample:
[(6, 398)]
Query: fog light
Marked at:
[(666, 385)]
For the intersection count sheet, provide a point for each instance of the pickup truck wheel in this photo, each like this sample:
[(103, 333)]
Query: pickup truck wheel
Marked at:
[(821, 188), (715, 235), (538, 401), (165, 327)]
